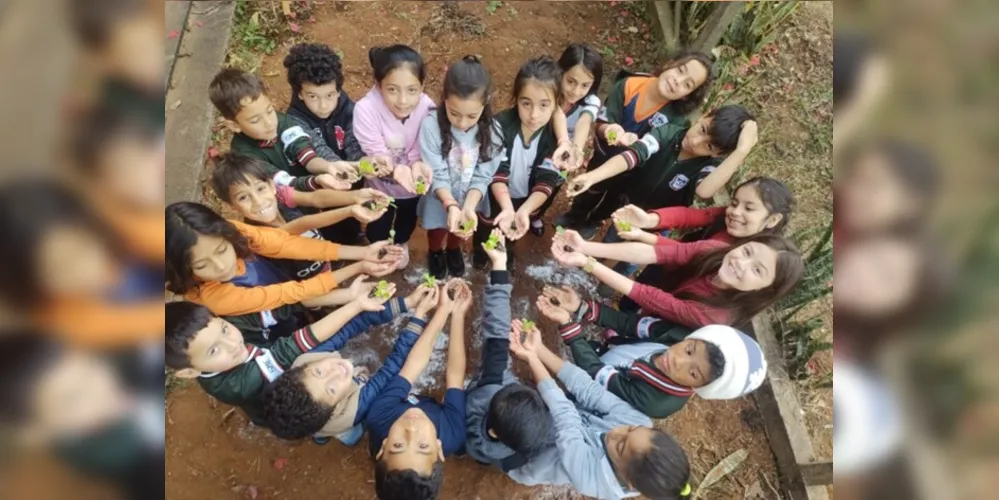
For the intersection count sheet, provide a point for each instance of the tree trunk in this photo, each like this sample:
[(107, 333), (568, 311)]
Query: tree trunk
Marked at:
[(663, 19), (716, 25)]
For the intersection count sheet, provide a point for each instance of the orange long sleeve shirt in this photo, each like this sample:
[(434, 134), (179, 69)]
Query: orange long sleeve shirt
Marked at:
[(227, 299)]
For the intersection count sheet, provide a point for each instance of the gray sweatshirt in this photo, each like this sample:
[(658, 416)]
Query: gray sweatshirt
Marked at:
[(459, 173), (579, 457)]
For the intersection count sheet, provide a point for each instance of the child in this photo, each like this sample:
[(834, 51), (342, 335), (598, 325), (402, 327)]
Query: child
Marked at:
[(664, 365), (759, 205), (324, 395), (411, 435), (508, 422), (245, 183), (697, 160), (387, 124), (202, 345), (71, 404), (605, 448), (708, 283), (263, 133), (527, 180), (462, 144), (321, 107), (582, 70), (213, 261), (636, 104)]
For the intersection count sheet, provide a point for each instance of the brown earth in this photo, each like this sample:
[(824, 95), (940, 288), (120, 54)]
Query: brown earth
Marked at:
[(212, 453)]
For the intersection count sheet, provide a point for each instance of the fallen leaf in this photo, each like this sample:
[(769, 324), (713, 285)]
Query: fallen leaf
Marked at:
[(173, 34), (175, 105), (724, 468), (631, 29), (294, 27), (250, 492), (612, 39), (213, 152), (628, 61), (280, 463)]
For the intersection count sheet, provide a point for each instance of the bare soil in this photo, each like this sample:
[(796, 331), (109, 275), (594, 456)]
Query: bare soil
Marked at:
[(215, 453)]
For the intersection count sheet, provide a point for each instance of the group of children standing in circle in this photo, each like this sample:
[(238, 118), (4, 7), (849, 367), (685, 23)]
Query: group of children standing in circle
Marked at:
[(304, 183)]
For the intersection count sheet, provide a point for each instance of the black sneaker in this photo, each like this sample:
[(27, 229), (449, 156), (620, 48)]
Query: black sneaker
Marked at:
[(438, 264), (537, 228), (455, 263), (588, 230)]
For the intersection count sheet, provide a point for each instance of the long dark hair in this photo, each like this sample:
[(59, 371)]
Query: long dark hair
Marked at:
[(465, 79), (29, 210), (185, 223), (741, 306), (585, 55), (776, 197), (386, 59), (693, 100), (541, 69)]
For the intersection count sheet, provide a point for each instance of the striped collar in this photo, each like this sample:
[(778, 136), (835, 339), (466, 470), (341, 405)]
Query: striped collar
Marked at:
[(646, 371)]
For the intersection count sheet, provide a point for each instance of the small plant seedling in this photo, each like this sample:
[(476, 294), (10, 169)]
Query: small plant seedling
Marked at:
[(366, 167), (564, 174), (429, 280), (421, 186), (623, 225), (527, 325), (392, 234), (559, 230), (493, 242), (467, 226), (381, 290), (612, 136)]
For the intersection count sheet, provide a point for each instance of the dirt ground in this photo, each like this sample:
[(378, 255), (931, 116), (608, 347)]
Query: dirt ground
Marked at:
[(214, 453)]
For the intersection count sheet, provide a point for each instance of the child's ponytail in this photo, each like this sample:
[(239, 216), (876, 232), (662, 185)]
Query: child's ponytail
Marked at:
[(466, 79)]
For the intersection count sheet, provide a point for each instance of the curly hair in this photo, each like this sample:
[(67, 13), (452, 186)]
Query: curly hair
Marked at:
[(290, 410), (694, 99), (314, 63), (185, 223), (407, 484)]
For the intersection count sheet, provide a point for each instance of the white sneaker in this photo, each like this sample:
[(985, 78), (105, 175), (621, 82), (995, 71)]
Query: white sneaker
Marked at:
[(404, 261)]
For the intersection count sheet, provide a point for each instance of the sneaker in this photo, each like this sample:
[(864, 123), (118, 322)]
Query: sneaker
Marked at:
[(404, 261), (437, 264), (320, 440), (455, 263), (587, 230), (537, 228)]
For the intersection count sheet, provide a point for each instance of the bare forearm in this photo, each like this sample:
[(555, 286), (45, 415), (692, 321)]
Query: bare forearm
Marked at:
[(456, 363), (502, 194), (534, 202), (719, 178), (612, 279), (345, 273), (316, 221), (551, 361), (348, 252), (538, 370), (582, 132), (337, 297), (614, 166), (472, 199), (333, 322), (318, 165), (327, 198), (445, 196)]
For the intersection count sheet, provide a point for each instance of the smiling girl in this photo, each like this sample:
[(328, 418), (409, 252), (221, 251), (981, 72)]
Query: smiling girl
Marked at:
[(708, 282)]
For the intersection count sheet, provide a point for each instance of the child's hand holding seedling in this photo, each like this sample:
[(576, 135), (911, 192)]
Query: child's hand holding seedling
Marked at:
[(343, 171), (567, 255), (329, 181), (521, 223), (580, 184), (381, 293), (378, 269), (504, 220), (525, 339), (563, 297), (418, 294), (570, 238), (495, 248), (636, 217), (361, 288), (462, 296), (427, 303), (382, 252), (551, 311), (613, 132), (365, 214), (453, 218), (469, 223), (428, 281), (366, 195), (445, 299)]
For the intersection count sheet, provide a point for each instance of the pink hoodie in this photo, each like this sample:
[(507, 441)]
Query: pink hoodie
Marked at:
[(379, 132)]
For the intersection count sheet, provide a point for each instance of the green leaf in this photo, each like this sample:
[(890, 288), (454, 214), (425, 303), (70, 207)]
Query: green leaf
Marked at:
[(527, 324)]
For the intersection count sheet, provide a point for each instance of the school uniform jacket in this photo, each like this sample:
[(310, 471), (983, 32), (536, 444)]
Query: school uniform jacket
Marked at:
[(701, 222), (544, 176), (290, 151), (333, 138), (621, 106), (641, 384)]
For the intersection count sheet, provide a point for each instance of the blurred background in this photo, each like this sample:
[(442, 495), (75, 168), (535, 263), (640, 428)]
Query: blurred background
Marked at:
[(917, 249)]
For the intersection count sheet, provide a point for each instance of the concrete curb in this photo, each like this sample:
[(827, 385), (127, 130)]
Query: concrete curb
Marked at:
[(199, 54)]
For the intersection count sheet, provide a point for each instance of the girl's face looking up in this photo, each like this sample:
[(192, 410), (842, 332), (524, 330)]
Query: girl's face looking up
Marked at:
[(746, 214), (401, 91), (748, 267), (576, 83), (535, 105), (678, 82), (464, 113), (213, 258)]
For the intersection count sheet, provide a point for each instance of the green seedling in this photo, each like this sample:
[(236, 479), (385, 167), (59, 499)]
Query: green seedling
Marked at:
[(527, 325), (493, 242), (467, 226), (421, 186), (612, 136), (623, 226), (559, 230), (381, 290), (366, 167), (429, 280), (563, 174), (392, 234)]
